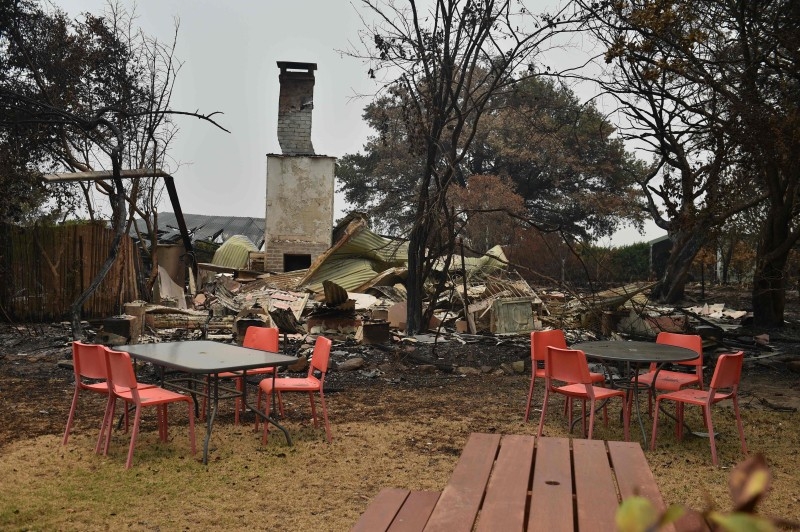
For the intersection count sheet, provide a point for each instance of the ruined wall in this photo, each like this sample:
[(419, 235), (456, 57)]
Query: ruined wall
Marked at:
[(299, 214)]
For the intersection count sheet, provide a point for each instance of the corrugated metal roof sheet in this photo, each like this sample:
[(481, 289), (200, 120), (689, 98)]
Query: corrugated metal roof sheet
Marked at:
[(211, 228), (494, 259), (234, 252), (363, 256)]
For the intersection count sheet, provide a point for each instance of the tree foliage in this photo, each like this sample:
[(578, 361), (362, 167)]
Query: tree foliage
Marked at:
[(714, 88), (561, 156), (83, 94), (446, 59), (490, 211)]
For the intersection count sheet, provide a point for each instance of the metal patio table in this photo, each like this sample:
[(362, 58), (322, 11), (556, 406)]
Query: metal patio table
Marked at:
[(633, 354), (205, 357)]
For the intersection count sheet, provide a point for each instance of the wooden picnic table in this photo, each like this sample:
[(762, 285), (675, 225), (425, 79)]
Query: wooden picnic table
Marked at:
[(516, 482)]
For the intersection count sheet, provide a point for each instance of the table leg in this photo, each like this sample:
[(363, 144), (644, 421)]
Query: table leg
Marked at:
[(635, 398), (212, 413)]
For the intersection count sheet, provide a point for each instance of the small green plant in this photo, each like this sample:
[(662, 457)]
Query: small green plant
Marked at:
[(749, 482)]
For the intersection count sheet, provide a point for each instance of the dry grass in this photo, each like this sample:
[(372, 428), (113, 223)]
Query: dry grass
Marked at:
[(384, 436)]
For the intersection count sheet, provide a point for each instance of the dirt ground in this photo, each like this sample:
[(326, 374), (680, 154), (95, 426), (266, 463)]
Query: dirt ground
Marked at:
[(30, 372)]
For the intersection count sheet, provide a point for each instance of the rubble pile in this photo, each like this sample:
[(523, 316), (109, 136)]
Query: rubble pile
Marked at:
[(354, 293)]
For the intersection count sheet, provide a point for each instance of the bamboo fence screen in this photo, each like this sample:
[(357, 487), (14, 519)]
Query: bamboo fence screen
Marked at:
[(44, 269)]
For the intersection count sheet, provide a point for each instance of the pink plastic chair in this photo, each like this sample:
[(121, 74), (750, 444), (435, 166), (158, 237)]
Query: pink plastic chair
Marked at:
[(309, 384), (570, 366), (263, 338), (726, 376), (540, 341), (89, 364), (675, 380), (124, 386)]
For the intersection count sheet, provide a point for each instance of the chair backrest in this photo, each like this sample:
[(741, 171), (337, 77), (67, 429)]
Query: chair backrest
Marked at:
[(688, 341), (728, 371), (263, 338), (568, 365), (89, 361), (320, 356), (120, 369), (541, 340)]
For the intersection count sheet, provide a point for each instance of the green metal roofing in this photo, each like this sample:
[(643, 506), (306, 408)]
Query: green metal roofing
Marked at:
[(234, 252), (358, 260)]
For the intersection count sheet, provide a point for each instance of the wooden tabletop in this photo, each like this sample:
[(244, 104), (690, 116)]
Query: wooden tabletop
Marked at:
[(635, 351), (205, 356), (518, 482)]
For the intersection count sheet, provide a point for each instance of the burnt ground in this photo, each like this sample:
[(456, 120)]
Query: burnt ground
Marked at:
[(35, 388)]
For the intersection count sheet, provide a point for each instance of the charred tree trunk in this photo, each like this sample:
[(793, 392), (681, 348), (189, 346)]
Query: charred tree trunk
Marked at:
[(118, 217), (769, 278), (415, 281), (417, 246), (685, 246), (769, 293)]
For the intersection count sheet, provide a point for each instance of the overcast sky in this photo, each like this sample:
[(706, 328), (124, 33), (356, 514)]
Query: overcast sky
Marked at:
[(229, 51)]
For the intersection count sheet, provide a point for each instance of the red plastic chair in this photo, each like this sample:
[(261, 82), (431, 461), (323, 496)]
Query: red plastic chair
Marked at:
[(726, 377), (263, 338), (309, 384), (89, 364), (124, 386), (675, 380), (570, 366), (540, 341)]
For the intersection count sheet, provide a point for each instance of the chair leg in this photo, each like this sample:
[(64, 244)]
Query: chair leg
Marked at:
[(108, 421), (530, 397), (313, 409), (570, 411), (583, 419), (739, 424), (137, 418), (258, 405), (165, 423), (265, 433), (325, 417), (655, 425), (711, 438), (280, 403), (626, 421), (110, 424), (71, 416), (544, 412)]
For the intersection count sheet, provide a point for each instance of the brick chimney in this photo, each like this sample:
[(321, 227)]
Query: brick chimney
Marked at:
[(295, 103)]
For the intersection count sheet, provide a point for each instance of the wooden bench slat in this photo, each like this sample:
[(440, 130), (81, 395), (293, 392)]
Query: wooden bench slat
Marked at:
[(551, 493), (594, 485), (461, 498), (634, 476), (507, 492), (414, 514), (507, 482), (381, 511)]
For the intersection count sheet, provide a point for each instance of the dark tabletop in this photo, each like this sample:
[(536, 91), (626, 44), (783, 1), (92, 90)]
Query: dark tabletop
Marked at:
[(205, 356), (635, 351)]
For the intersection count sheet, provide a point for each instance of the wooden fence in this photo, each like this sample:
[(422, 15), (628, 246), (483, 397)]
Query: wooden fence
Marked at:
[(44, 269)]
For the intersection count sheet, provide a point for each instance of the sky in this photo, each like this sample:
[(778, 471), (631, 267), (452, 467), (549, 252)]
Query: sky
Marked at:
[(229, 50)]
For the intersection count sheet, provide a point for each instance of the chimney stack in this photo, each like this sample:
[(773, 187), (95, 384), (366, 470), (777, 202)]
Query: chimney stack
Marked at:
[(295, 103)]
